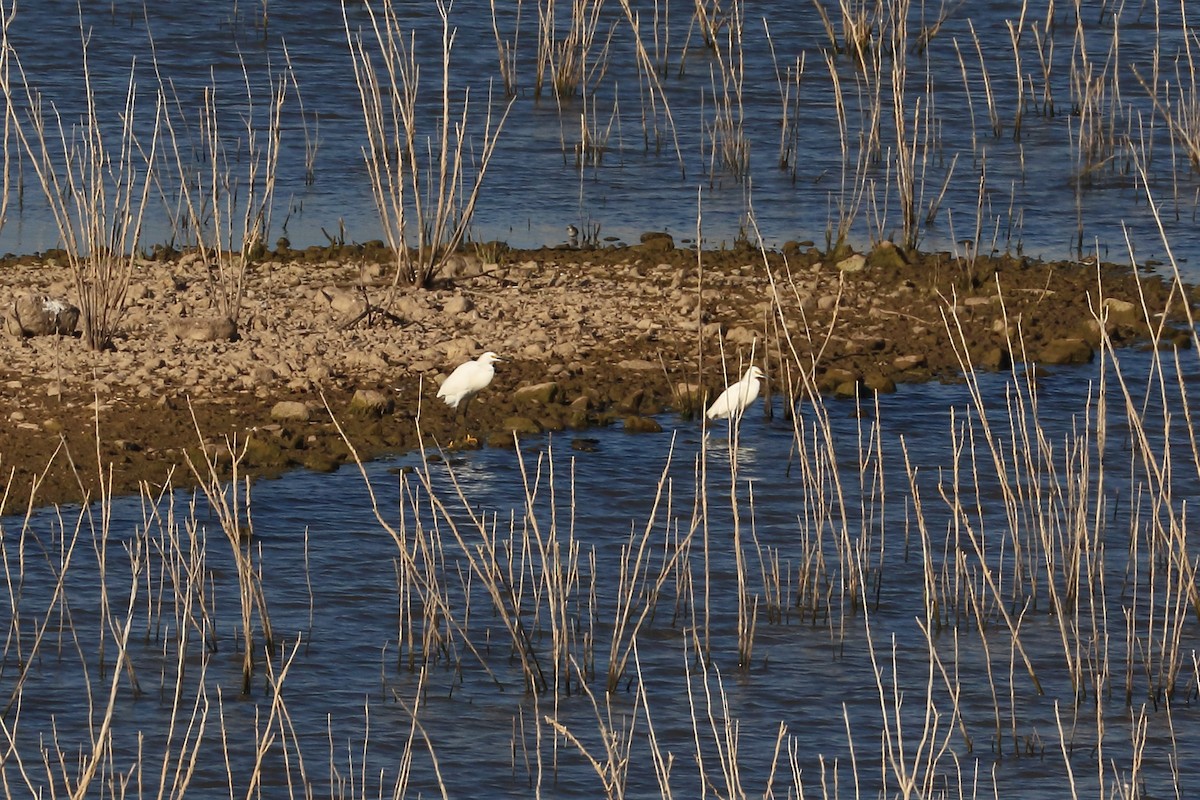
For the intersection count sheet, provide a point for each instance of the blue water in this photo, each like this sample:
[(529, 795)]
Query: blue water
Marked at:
[(329, 578), (1041, 194)]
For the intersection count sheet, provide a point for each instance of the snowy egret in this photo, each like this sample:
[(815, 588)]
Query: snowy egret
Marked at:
[(737, 396), (468, 380)]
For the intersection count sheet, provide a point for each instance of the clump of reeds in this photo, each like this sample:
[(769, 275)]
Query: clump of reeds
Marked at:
[(96, 179), (424, 187), (228, 214)]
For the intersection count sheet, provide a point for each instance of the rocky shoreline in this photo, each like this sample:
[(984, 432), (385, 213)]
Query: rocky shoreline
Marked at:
[(590, 337)]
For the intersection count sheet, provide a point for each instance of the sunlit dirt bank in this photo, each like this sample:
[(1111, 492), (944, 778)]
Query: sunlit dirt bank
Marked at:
[(590, 337)]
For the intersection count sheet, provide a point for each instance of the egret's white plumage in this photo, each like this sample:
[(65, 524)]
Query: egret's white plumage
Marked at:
[(468, 379), (737, 396)]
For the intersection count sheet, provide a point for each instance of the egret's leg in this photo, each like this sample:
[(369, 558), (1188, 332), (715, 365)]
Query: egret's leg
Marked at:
[(467, 439)]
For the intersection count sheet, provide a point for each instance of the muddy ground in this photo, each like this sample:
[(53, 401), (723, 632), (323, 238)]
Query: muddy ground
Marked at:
[(607, 336)]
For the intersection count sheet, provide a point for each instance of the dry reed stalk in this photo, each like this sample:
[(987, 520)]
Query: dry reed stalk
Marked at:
[(789, 83), (616, 739), (855, 167), (915, 767), (709, 19), (101, 736), (723, 735), (557, 579), (96, 185), (230, 503), (437, 188), (638, 589), (662, 764), (227, 212), (649, 71), (273, 728), (729, 148), (913, 148), (1014, 35), (507, 49), (993, 114), (577, 62), (593, 139)]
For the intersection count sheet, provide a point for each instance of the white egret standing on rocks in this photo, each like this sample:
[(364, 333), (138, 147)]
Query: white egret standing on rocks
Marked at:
[(467, 380), (737, 396)]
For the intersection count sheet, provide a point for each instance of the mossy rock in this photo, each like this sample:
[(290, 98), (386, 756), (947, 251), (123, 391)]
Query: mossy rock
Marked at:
[(1067, 351), (371, 403), (263, 452), (832, 379), (993, 359), (631, 401), (320, 462), (638, 424), (887, 256), (657, 240), (521, 426), (878, 382), (540, 394)]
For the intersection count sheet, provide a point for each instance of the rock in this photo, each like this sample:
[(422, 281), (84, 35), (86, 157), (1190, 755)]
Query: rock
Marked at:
[(887, 256), (461, 265), (689, 398), (261, 375), (540, 394), (914, 361), (638, 365), (458, 304), (631, 401), (994, 359), (836, 379), (40, 315), (878, 382), (637, 424), (741, 335), (372, 403), (846, 389), (1122, 311), (1066, 351), (317, 461), (366, 360), (855, 263), (344, 301), (290, 411), (521, 426), (262, 452), (657, 240), (203, 329)]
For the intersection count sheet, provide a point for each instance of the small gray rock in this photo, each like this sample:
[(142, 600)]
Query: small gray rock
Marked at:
[(539, 394), (290, 411), (40, 315), (203, 329), (371, 402), (854, 263)]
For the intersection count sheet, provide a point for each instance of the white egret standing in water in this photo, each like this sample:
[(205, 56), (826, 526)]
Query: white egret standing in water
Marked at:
[(467, 380), (737, 396)]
